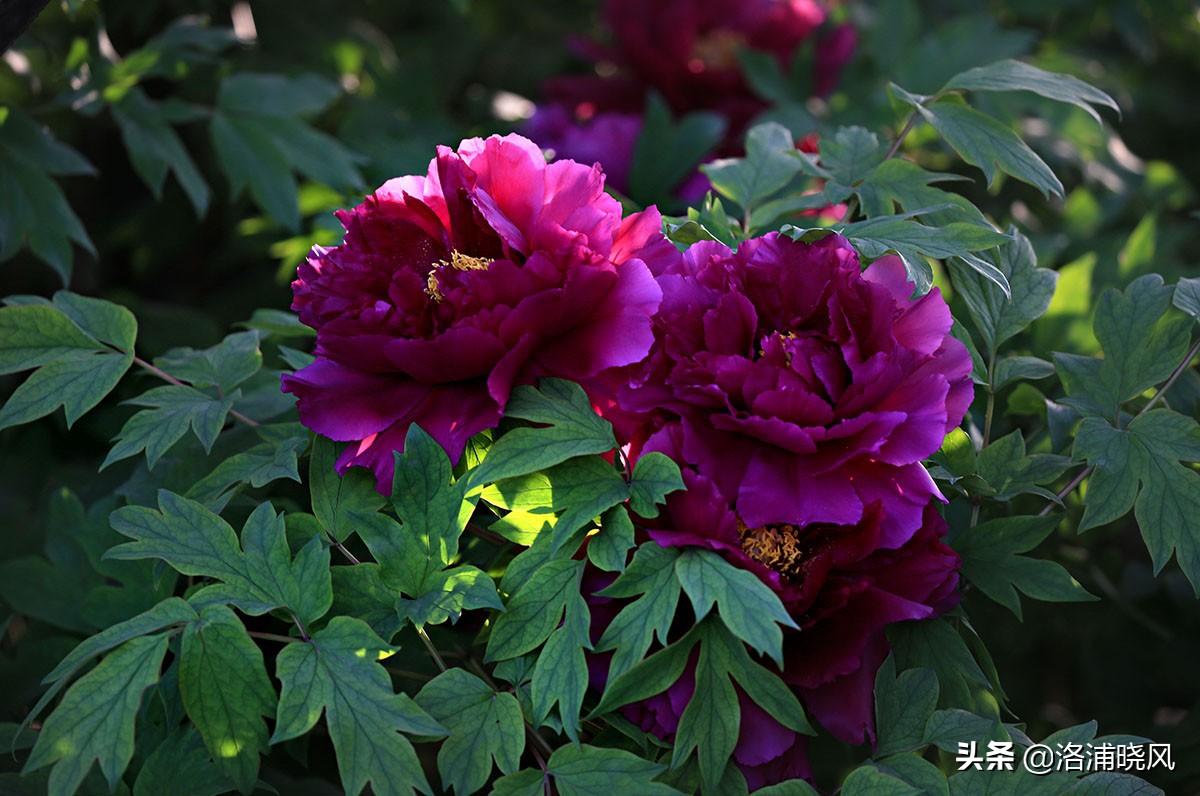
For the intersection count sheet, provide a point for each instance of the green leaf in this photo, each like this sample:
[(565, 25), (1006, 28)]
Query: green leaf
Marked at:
[(484, 726), (76, 384), (275, 95), (336, 497), (1187, 296), (591, 771), (710, 722), (1004, 465), (991, 561), (95, 720), (747, 606), (609, 546), (654, 477), (431, 507), (984, 142), (534, 609), (769, 165), (903, 705), (947, 728), (195, 541), (560, 675), (224, 366), (918, 772), (180, 766), (258, 466), (666, 152), (250, 158), (632, 631), (1138, 351), (155, 149), (574, 430), (172, 410), (33, 209), (103, 320), (1010, 75), (791, 787), (226, 692), (34, 334), (337, 671), (936, 645), (651, 676), (997, 316), (529, 782), (851, 154), (445, 595), (1010, 369), (904, 184), (871, 781)]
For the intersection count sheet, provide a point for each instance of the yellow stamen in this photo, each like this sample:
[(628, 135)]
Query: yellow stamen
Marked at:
[(458, 261), (776, 546)]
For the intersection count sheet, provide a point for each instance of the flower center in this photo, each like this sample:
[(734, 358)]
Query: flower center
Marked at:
[(716, 50), (457, 261), (776, 546)]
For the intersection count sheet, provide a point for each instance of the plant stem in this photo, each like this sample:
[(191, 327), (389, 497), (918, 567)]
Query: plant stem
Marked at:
[(271, 637), (428, 642), (353, 559), (485, 534), (167, 377), (987, 423), (909, 125), (300, 627), (408, 673)]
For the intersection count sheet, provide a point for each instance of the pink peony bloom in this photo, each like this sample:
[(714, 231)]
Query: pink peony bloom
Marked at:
[(449, 289), (804, 388)]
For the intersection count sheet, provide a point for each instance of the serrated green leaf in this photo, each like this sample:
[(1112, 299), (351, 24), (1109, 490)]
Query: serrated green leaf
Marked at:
[(654, 477), (747, 606), (226, 692), (997, 316), (447, 594), (651, 676), (431, 507), (95, 720), (560, 676), (1138, 352), (250, 158), (337, 672), (993, 147), (630, 634), (172, 410), (264, 94), (76, 384), (711, 720), (769, 165), (1010, 75), (903, 184), (946, 728), (851, 154), (484, 726), (574, 430), (1004, 465), (903, 705), (534, 610), (336, 497), (258, 465), (224, 366), (591, 771), (258, 576)]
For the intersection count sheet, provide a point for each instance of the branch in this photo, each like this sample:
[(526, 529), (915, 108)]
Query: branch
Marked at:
[(167, 377)]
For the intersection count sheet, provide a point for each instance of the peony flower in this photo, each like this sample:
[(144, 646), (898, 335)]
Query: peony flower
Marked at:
[(449, 289), (608, 139), (840, 587), (686, 50), (805, 389)]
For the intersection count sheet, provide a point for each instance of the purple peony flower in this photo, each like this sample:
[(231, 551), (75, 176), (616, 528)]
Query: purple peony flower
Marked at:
[(836, 581), (449, 289), (804, 388), (608, 139)]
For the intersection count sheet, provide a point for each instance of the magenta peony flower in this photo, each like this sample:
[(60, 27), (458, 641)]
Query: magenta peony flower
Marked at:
[(608, 139), (686, 50), (839, 585), (804, 388), (449, 289)]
